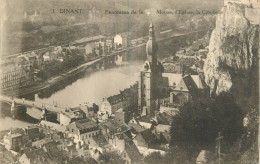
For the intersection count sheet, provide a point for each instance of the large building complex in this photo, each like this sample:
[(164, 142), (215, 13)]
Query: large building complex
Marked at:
[(15, 76)]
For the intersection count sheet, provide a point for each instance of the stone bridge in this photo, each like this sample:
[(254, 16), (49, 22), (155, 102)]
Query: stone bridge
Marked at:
[(29, 103)]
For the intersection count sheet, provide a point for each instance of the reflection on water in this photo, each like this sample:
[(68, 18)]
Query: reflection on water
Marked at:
[(19, 120), (8, 122), (95, 86)]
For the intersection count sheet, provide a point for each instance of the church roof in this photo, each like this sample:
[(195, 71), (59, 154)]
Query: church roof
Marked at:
[(172, 78), (187, 84), (177, 78), (201, 84)]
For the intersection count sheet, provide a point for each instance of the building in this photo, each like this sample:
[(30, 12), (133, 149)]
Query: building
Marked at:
[(113, 103), (13, 141), (14, 76), (191, 88), (147, 142), (99, 142), (171, 66), (38, 156), (163, 122), (118, 40), (111, 127), (33, 133), (151, 83), (52, 126), (89, 48), (137, 41), (82, 130), (70, 115), (126, 147), (110, 43), (126, 40), (120, 116), (134, 125)]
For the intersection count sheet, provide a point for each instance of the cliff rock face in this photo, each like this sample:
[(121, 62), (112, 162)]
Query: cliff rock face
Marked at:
[(233, 51)]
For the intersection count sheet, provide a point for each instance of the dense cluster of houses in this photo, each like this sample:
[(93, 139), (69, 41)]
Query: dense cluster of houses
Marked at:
[(80, 134)]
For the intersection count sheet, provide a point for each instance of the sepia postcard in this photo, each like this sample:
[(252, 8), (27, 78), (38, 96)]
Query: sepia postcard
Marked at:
[(129, 81)]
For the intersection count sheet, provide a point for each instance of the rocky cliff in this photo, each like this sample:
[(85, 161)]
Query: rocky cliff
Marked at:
[(231, 63)]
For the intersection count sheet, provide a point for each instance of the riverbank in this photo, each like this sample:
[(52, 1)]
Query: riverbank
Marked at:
[(55, 81), (41, 86)]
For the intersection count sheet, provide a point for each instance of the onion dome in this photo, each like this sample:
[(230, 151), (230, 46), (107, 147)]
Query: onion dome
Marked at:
[(151, 45)]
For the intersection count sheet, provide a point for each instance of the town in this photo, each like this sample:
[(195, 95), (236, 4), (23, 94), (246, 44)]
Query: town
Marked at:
[(123, 123), (173, 113)]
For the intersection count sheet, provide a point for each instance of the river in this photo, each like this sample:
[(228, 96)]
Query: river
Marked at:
[(92, 88), (95, 86)]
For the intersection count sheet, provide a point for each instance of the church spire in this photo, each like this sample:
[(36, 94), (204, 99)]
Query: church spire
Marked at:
[(151, 45)]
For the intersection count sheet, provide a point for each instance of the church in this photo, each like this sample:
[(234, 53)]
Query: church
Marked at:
[(155, 85)]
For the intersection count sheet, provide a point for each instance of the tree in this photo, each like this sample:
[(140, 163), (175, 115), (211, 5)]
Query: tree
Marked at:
[(111, 158), (192, 128), (196, 126), (175, 156)]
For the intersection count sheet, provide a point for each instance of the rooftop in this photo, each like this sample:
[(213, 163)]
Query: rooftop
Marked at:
[(85, 124)]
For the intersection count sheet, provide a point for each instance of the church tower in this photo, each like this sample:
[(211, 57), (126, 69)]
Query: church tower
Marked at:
[(150, 78)]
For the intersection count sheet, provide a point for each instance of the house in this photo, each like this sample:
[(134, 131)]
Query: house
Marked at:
[(52, 126), (134, 124), (82, 130), (40, 143), (67, 146), (145, 121), (131, 154), (113, 103), (89, 47), (88, 109), (110, 43), (70, 115), (125, 99), (47, 57), (38, 156), (99, 142), (111, 127), (118, 40), (172, 66), (120, 116), (146, 139), (105, 108), (126, 147), (126, 39), (52, 150), (33, 133), (147, 142), (13, 141)]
